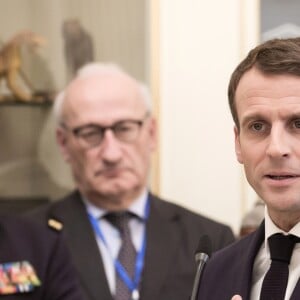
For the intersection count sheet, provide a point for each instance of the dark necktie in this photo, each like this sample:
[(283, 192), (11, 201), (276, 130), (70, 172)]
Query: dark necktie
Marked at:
[(275, 282), (127, 253)]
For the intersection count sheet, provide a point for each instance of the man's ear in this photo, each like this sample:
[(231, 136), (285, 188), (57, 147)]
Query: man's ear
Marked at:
[(61, 140), (238, 151), (153, 133)]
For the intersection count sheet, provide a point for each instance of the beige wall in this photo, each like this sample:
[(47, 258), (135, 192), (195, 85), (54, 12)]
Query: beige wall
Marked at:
[(200, 44)]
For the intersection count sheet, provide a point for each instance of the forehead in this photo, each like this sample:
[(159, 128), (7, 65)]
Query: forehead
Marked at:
[(259, 93), (103, 98)]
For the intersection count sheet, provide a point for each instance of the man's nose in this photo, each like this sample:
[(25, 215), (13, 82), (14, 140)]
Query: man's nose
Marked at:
[(278, 145), (110, 147)]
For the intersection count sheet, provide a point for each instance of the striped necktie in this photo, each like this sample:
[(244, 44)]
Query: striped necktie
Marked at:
[(127, 253)]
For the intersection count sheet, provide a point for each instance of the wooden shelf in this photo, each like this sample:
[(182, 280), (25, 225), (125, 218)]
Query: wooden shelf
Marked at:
[(29, 104)]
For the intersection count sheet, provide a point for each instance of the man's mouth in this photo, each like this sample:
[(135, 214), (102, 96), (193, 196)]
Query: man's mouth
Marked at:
[(281, 177), (110, 172)]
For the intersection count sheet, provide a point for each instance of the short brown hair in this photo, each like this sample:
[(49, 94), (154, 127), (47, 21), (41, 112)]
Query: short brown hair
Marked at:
[(277, 56)]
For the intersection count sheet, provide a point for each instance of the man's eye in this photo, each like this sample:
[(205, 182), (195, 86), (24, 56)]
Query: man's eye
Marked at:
[(89, 132), (257, 126), (297, 123), (124, 127)]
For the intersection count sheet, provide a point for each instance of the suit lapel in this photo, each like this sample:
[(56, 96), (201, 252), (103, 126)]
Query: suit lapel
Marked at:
[(247, 264), (83, 246), (296, 292), (163, 236), (247, 254)]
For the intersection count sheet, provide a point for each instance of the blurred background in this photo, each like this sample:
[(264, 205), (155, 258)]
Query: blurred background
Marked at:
[(184, 50)]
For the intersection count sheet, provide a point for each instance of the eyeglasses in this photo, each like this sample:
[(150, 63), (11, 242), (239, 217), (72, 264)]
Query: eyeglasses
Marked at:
[(91, 135)]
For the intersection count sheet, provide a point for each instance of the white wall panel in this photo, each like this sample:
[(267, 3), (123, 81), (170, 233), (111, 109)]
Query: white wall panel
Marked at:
[(200, 44)]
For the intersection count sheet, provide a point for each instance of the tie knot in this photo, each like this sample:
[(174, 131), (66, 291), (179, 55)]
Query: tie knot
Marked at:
[(119, 219), (281, 246)]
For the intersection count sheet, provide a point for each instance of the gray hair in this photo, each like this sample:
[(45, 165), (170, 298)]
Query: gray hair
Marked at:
[(100, 69)]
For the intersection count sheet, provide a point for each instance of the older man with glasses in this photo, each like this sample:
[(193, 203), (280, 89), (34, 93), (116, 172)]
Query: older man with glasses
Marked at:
[(126, 243)]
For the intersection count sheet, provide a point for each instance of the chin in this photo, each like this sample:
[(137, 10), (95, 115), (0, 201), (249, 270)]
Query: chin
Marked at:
[(115, 186), (285, 204)]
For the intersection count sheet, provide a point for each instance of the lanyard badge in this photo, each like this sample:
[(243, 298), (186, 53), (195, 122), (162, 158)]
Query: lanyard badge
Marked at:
[(131, 283)]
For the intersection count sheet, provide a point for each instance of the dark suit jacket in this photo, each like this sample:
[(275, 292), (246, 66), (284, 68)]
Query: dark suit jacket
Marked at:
[(172, 237), (46, 253), (229, 271)]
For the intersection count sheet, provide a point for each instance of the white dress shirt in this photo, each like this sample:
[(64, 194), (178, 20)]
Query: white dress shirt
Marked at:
[(112, 235), (262, 261)]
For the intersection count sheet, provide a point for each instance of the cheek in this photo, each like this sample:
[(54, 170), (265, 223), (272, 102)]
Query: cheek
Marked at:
[(253, 160), (81, 162), (249, 151), (145, 161), (247, 157), (138, 159)]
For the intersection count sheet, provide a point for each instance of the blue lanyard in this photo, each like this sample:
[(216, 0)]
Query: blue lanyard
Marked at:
[(132, 284)]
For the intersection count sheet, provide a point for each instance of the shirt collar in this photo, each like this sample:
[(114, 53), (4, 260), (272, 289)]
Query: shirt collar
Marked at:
[(271, 228), (137, 207)]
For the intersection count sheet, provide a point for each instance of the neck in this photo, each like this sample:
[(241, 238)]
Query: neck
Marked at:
[(285, 221)]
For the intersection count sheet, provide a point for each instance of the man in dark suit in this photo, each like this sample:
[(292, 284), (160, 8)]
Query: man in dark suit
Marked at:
[(107, 133), (34, 263), (264, 97)]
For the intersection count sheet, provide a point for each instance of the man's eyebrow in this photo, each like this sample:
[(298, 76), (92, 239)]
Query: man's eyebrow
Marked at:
[(251, 117), (95, 125), (295, 115), (88, 125)]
